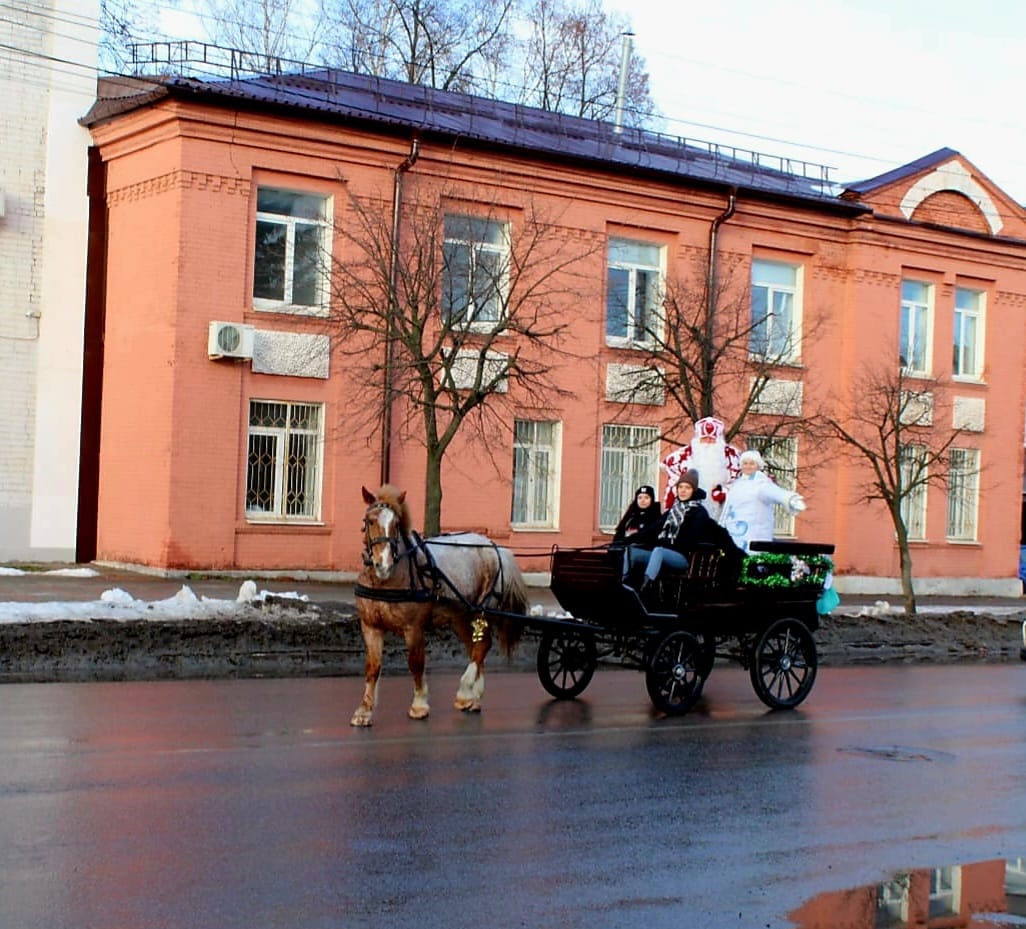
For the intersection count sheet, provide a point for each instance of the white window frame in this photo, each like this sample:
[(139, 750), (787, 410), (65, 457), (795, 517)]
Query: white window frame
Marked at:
[(915, 337), (968, 333), (775, 291), (536, 469), (945, 892), (963, 494), (892, 901), (642, 324), (913, 505), (630, 458), (781, 456), (279, 478), (295, 225), (486, 306)]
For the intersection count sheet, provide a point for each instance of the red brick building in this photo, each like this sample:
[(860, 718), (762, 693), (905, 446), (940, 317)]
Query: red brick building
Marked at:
[(249, 453)]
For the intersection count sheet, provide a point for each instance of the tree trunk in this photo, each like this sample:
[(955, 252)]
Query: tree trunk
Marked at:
[(907, 589), (433, 492)]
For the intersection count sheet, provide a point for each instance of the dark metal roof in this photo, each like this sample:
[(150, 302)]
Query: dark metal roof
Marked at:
[(912, 168), (345, 96)]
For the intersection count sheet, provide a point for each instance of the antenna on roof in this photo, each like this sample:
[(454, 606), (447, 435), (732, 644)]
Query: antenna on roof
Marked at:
[(621, 92)]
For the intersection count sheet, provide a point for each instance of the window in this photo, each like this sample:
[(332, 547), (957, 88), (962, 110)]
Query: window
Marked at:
[(963, 493), (629, 459), (968, 348), (632, 291), (914, 347), (283, 473), (892, 903), (781, 456), (535, 474), (912, 461), (775, 311), (290, 266), (945, 887), (475, 270)]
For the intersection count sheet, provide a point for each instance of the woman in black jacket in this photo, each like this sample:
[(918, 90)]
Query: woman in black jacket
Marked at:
[(640, 524)]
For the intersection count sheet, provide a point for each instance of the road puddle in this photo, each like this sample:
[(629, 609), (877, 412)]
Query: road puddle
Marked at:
[(982, 895)]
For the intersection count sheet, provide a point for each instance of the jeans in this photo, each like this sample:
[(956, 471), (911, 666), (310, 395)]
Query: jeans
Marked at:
[(654, 560)]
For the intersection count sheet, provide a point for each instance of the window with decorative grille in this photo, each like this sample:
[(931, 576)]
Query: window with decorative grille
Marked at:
[(283, 473)]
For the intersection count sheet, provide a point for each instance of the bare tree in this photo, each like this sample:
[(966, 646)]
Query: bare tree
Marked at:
[(450, 317), (707, 354), (267, 30), (447, 44), (886, 420), (571, 62), (124, 23)]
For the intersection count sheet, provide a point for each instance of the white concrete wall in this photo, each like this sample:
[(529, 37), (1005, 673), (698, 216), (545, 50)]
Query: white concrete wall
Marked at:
[(46, 84)]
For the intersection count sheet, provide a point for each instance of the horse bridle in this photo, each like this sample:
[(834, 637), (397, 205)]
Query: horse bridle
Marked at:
[(369, 541)]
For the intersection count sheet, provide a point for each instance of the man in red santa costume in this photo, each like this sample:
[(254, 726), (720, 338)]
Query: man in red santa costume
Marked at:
[(716, 462)]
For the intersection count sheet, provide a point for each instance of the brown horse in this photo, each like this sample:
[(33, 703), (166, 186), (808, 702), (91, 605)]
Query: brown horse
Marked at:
[(409, 585)]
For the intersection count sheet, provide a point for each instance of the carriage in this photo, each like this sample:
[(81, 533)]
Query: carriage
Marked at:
[(760, 611), (762, 615)]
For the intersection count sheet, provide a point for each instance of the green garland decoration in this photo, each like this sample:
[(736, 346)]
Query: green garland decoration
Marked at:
[(785, 571)]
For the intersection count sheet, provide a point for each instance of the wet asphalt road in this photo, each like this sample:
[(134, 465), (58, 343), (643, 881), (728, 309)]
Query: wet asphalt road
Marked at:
[(223, 804)]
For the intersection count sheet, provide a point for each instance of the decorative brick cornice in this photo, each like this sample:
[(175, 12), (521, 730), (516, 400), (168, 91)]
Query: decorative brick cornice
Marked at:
[(178, 180), (877, 278)]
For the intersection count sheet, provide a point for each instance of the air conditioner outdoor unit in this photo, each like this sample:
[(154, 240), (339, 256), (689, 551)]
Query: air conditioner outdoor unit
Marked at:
[(230, 340)]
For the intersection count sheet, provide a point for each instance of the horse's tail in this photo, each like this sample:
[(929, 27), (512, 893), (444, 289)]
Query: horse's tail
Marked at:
[(512, 599)]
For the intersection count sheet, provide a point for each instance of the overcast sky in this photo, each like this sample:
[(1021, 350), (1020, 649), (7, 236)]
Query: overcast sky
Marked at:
[(866, 85)]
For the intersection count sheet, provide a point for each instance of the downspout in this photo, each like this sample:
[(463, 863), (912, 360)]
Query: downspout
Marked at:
[(710, 282), (393, 300)]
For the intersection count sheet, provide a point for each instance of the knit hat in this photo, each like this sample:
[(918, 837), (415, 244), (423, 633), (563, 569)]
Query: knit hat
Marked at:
[(645, 489), (689, 477)]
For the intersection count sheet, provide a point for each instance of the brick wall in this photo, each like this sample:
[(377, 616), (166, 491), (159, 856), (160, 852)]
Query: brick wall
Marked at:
[(47, 81)]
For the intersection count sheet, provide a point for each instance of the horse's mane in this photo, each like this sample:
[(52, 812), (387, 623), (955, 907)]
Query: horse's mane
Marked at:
[(396, 499)]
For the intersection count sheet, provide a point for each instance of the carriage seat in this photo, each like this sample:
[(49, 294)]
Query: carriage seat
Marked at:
[(711, 572)]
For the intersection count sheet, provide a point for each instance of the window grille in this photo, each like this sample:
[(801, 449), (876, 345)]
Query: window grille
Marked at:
[(283, 473), (629, 459)]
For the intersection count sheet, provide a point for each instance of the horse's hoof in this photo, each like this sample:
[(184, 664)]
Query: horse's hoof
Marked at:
[(468, 706), (419, 712), (361, 718)]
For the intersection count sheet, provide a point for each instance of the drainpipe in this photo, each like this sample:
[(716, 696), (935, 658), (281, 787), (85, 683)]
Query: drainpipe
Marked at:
[(393, 300), (710, 282)]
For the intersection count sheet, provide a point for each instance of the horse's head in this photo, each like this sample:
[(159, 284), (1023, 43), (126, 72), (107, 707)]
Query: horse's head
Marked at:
[(385, 523)]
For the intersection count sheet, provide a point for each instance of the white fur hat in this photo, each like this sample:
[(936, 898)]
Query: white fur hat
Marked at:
[(752, 455)]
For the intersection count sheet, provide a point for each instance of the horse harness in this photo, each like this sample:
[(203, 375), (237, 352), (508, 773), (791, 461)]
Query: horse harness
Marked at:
[(430, 579)]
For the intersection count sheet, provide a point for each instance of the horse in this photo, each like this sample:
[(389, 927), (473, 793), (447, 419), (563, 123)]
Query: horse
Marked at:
[(409, 585)]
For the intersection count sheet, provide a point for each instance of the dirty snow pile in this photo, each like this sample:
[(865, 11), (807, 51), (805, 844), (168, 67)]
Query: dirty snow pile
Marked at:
[(117, 604)]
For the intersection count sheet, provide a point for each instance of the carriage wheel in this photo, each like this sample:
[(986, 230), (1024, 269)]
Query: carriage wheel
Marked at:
[(566, 663), (674, 675), (783, 666)]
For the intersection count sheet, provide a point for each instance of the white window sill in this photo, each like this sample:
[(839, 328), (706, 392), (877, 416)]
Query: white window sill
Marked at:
[(289, 309)]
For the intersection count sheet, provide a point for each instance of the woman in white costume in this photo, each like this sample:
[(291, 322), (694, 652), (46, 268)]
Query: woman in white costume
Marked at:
[(748, 510)]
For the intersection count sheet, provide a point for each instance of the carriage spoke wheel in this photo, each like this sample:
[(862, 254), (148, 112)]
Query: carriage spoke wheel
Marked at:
[(783, 666), (674, 675), (566, 663)]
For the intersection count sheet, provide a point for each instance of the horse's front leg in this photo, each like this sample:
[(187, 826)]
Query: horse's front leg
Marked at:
[(415, 660), (471, 689), (373, 640)]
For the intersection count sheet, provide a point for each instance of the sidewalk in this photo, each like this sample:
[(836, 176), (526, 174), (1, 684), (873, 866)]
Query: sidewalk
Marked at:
[(53, 627), (52, 587)]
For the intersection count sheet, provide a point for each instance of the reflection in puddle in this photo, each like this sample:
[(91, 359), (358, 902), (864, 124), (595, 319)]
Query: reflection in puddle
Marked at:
[(982, 895)]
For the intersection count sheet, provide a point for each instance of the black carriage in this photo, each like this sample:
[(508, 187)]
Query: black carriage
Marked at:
[(760, 612)]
